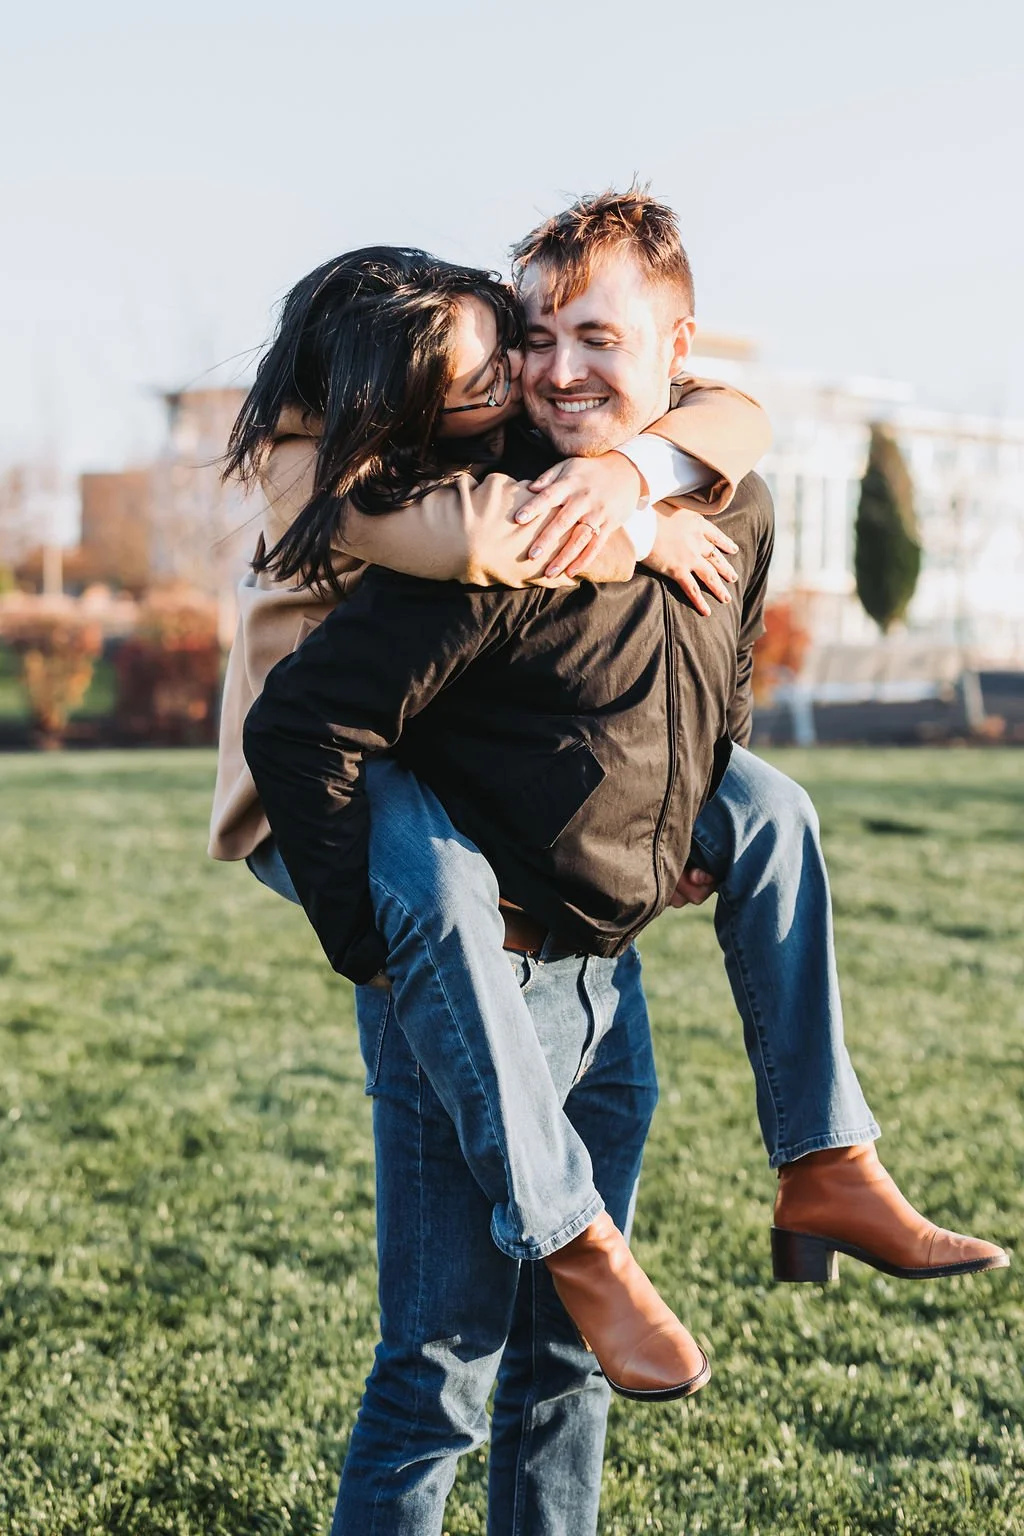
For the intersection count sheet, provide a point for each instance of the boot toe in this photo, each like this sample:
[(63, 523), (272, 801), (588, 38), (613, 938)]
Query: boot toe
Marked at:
[(956, 1248)]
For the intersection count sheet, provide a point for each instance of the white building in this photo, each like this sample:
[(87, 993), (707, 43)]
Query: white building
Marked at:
[(968, 474)]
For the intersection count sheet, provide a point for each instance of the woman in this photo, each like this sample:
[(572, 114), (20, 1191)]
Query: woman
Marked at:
[(404, 372)]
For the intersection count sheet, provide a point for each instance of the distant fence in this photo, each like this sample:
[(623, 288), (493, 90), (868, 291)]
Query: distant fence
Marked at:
[(978, 706)]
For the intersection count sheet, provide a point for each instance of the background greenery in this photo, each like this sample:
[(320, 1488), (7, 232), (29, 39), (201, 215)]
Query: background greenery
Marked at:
[(187, 1303)]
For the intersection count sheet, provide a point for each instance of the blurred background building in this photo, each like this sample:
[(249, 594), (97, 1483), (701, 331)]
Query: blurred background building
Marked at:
[(968, 474), (173, 539)]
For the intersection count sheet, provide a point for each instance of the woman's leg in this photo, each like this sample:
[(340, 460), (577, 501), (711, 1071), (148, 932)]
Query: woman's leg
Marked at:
[(458, 1004)]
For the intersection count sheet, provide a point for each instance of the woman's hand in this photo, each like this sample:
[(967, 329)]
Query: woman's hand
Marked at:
[(691, 550), (589, 498)]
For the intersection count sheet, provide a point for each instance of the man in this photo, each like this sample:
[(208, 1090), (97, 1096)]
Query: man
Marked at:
[(608, 316)]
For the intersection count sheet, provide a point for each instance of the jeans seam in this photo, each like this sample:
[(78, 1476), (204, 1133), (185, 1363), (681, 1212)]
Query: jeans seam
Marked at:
[(526, 1420), (759, 1031), (418, 1324), (499, 1140)]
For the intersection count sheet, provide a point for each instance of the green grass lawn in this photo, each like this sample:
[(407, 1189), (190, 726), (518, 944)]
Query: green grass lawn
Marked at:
[(187, 1286)]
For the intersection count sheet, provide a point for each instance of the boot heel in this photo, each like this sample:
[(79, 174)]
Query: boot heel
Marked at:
[(797, 1257)]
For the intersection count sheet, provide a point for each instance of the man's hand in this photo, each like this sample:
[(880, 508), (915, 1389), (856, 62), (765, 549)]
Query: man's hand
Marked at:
[(690, 549), (590, 498), (694, 888)]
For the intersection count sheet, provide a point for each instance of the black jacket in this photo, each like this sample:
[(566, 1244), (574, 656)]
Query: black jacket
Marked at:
[(572, 735)]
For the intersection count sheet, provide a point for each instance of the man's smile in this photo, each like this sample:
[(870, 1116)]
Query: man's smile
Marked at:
[(575, 403)]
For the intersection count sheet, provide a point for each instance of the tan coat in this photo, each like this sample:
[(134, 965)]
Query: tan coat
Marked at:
[(465, 532)]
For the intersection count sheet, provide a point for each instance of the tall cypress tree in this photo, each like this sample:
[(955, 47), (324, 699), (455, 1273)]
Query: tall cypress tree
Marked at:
[(887, 544)]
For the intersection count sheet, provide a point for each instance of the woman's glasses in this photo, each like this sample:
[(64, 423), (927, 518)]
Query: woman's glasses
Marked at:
[(496, 395)]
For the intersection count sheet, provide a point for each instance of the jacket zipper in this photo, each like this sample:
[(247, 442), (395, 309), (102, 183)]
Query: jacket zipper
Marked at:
[(672, 709)]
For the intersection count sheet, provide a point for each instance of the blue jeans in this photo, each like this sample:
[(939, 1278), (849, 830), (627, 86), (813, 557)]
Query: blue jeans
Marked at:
[(456, 1313), (435, 900), (759, 835)]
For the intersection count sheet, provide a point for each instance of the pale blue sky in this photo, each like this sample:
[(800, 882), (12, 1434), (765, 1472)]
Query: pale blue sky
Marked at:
[(847, 177)]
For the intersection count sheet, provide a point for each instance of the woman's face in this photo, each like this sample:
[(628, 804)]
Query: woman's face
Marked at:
[(480, 368)]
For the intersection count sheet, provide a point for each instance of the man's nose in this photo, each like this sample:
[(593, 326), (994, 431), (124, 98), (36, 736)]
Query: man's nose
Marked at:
[(567, 366)]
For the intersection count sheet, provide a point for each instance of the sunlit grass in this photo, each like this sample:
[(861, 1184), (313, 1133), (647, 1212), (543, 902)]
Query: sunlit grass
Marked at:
[(187, 1284)]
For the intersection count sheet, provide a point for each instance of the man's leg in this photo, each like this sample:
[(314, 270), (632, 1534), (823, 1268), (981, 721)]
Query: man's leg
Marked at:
[(759, 837), (551, 1404), (446, 1301)]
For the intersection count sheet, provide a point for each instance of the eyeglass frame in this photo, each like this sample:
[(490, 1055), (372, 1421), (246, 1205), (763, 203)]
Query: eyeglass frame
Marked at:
[(491, 403)]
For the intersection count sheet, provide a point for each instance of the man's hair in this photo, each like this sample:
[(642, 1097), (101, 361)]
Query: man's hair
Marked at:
[(570, 244)]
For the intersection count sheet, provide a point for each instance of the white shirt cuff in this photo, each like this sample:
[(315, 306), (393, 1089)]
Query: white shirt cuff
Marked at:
[(665, 469), (642, 528)]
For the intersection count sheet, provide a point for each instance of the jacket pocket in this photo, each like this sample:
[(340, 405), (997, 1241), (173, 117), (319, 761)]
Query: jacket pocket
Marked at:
[(545, 805)]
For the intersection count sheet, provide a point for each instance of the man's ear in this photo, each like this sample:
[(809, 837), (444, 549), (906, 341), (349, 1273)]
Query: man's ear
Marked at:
[(682, 340)]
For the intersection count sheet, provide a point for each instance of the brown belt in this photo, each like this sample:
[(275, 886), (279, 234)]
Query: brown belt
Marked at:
[(523, 933)]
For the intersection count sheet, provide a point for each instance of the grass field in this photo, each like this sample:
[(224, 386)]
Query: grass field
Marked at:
[(187, 1288)]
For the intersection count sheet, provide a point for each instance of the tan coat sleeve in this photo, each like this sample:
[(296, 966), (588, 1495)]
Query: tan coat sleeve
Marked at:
[(723, 428), (463, 532)]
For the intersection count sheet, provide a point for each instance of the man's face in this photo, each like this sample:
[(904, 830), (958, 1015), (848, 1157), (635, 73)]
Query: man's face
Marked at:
[(598, 371)]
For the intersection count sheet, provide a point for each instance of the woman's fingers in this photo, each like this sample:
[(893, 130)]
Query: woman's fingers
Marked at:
[(578, 546), (553, 538), (594, 548)]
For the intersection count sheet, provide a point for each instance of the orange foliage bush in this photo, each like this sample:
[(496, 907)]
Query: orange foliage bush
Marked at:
[(779, 653), (168, 672), (58, 653)]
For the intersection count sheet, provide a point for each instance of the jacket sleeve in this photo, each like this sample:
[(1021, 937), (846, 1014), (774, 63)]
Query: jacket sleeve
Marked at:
[(345, 694), (741, 708), (723, 428)]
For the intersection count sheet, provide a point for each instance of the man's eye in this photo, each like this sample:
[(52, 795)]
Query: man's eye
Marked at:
[(600, 342), (538, 344)]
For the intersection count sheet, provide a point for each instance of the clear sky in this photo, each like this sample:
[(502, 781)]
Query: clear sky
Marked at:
[(848, 177)]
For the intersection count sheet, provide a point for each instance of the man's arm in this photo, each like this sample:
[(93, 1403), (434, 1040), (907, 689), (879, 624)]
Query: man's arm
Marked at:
[(376, 660), (741, 708)]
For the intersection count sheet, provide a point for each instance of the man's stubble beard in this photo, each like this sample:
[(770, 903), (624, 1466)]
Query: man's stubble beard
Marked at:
[(583, 444), (625, 423)]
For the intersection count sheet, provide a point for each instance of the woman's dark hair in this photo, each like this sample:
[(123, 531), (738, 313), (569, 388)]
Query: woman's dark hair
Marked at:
[(363, 343)]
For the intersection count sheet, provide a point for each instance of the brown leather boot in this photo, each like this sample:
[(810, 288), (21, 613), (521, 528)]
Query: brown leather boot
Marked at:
[(843, 1201), (641, 1346)]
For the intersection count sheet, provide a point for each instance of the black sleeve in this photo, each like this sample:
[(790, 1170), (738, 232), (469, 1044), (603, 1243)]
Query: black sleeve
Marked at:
[(376, 660), (741, 709)]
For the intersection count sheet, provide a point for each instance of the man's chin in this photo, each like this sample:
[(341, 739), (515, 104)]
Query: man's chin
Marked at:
[(579, 437)]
